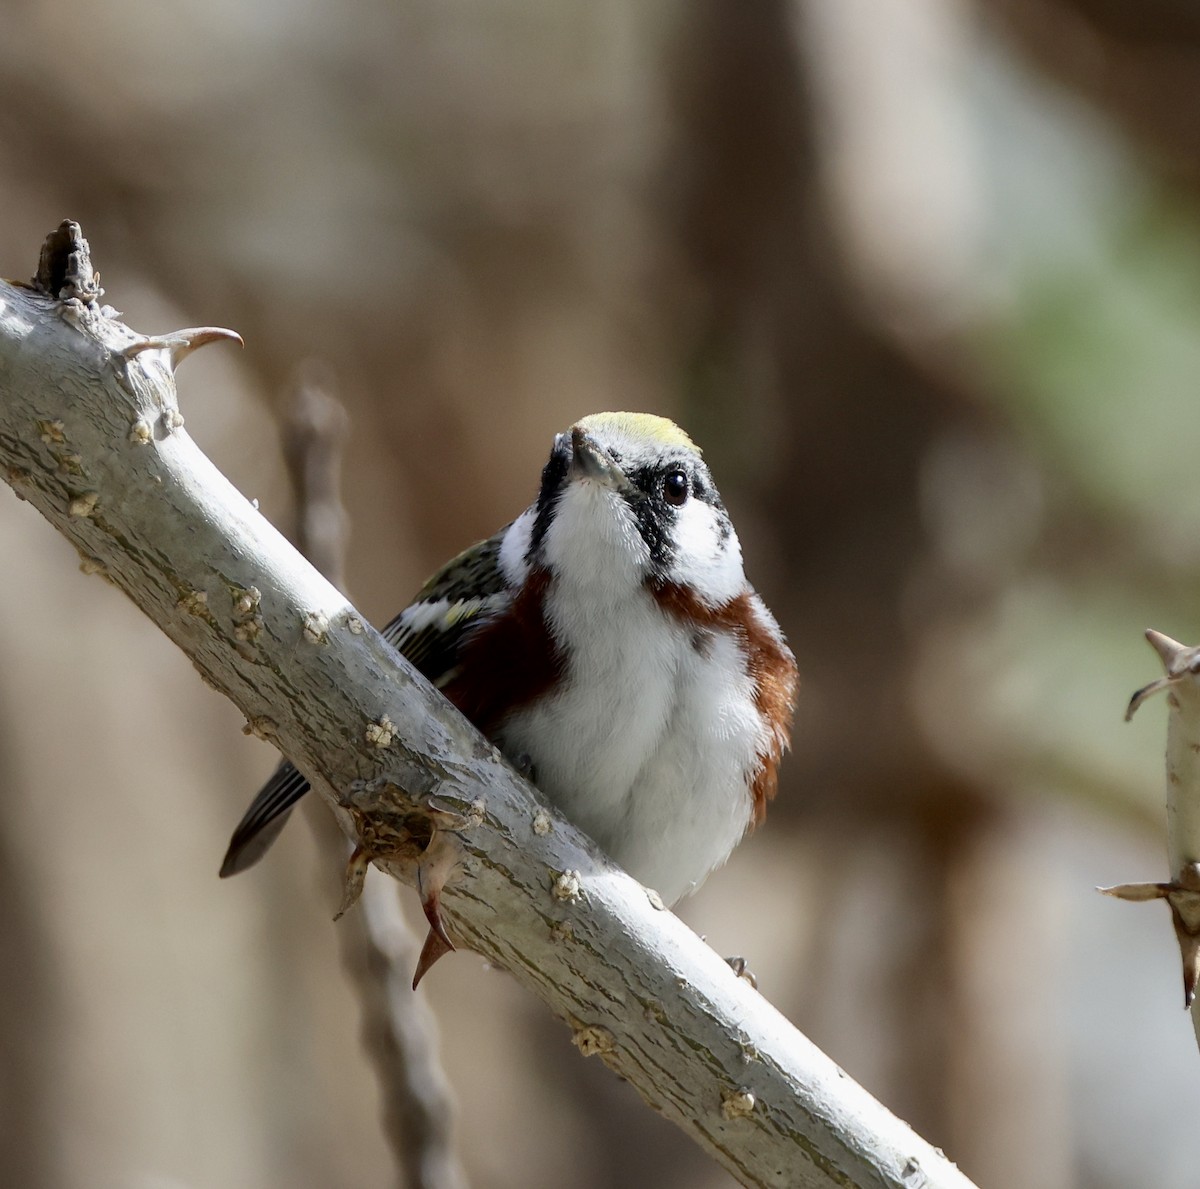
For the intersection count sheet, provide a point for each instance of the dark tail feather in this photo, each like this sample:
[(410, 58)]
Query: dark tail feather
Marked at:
[(264, 819)]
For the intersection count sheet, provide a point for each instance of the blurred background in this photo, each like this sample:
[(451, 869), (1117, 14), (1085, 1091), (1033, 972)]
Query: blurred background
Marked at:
[(923, 278)]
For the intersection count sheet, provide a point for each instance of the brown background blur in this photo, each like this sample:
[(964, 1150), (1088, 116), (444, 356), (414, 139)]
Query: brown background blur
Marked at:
[(922, 276)]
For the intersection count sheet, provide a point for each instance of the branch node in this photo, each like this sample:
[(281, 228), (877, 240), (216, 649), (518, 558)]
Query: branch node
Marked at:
[(567, 885), (316, 628), (84, 505), (381, 733), (246, 601), (591, 1040), (445, 817), (194, 602), (261, 727), (737, 1104)]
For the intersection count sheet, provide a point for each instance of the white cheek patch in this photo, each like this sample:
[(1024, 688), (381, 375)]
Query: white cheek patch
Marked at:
[(710, 566), (515, 546)]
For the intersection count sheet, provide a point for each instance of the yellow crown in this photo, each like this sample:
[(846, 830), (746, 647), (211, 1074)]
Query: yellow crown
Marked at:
[(645, 426)]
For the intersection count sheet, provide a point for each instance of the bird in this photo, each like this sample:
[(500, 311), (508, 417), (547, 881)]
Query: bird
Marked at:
[(608, 643)]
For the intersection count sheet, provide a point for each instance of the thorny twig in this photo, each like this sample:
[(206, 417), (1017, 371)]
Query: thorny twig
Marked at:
[(1181, 681)]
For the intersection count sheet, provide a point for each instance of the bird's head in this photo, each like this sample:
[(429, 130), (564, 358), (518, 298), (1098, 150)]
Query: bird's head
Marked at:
[(627, 501)]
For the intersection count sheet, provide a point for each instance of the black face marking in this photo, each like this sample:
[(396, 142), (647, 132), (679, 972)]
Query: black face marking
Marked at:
[(703, 489), (655, 517), (554, 480), (657, 512), (655, 494)]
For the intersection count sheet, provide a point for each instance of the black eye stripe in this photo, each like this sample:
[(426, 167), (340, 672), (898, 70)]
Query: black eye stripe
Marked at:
[(657, 493), (650, 479), (554, 478)]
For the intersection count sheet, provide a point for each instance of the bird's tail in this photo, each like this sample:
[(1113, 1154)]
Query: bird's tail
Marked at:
[(264, 819)]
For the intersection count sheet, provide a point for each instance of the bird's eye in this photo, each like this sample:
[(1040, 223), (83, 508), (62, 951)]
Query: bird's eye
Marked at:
[(675, 487)]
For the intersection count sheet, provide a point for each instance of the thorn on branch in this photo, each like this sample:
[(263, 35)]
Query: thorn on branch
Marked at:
[(1182, 895), (434, 868), (182, 343), (353, 880), (1178, 660)]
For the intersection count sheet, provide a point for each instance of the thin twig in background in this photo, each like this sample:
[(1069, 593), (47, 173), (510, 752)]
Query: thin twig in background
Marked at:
[(378, 948), (315, 428)]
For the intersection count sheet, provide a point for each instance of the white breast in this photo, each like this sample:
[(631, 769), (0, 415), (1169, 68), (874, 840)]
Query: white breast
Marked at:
[(651, 742)]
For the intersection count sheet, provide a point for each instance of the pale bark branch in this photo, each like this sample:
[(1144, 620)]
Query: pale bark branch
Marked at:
[(91, 435)]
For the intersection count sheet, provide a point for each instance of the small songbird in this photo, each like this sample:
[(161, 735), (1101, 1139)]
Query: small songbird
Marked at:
[(608, 643)]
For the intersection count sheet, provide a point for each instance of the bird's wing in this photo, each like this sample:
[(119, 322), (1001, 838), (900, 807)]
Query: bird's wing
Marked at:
[(429, 632), (469, 588)]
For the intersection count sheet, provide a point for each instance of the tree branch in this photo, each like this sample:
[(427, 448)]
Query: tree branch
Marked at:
[(91, 435)]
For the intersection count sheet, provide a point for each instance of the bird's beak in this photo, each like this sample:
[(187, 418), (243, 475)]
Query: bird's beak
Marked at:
[(589, 460)]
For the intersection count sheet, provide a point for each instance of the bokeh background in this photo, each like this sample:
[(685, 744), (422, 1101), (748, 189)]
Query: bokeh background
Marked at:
[(923, 278)]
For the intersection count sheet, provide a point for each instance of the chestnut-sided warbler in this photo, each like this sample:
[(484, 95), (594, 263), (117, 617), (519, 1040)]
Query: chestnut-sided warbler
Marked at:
[(608, 643)]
